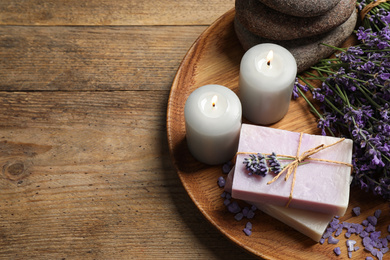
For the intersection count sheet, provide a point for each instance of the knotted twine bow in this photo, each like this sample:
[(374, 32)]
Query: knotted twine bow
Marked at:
[(291, 168)]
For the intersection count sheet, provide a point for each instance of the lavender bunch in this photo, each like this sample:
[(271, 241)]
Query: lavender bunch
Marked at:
[(355, 99), (259, 164), (256, 164)]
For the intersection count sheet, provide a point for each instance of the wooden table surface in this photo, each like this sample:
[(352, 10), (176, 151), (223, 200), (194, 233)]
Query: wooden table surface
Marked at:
[(85, 165)]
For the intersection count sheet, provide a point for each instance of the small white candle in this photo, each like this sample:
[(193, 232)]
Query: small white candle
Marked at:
[(267, 75), (213, 122)]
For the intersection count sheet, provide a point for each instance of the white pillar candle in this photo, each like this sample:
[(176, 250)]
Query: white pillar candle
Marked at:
[(267, 76), (213, 122)]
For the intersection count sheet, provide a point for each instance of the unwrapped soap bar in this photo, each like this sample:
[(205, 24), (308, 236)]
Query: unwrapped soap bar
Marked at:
[(311, 224), (320, 186)]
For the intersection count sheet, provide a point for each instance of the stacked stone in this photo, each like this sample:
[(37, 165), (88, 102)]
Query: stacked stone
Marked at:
[(301, 26)]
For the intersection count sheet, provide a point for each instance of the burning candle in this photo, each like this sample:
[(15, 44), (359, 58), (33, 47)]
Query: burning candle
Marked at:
[(213, 122), (267, 75)]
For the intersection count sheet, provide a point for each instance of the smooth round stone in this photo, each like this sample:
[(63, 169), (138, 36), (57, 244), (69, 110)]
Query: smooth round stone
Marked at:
[(301, 8), (306, 51), (268, 23)]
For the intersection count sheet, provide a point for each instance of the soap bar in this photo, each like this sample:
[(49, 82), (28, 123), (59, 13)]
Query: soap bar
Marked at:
[(319, 186), (311, 224)]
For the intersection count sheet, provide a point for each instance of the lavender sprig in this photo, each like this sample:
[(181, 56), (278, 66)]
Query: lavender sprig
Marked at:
[(355, 99)]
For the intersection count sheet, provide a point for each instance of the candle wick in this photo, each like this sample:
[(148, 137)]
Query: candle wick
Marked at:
[(269, 63), (213, 104)]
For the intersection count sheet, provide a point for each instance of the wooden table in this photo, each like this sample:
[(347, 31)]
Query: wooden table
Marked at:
[(85, 166)]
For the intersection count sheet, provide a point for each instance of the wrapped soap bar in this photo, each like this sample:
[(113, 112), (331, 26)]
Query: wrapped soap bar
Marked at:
[(309, 223), (319, 186)]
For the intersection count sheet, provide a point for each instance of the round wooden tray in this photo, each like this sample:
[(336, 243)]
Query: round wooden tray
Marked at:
[(214, 59)]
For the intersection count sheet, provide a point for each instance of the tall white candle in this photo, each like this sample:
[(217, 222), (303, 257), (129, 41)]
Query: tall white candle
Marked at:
[(213, 122), (267, 75)]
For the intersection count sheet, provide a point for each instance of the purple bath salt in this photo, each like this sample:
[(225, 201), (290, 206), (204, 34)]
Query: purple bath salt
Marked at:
[(239, 216), (245, 211), (250, 214), (377, 213), (233, 207), (247, 232), (356, 210), (370, 228), (248, 225), (373, 220), (350, 245), (332, 240), (226, 167), (337, 251), (221, 182)]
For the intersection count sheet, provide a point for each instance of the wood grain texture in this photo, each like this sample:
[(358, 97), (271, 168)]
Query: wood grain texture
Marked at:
[(92, 58), (215, 59), (85, 166), (112, 12)]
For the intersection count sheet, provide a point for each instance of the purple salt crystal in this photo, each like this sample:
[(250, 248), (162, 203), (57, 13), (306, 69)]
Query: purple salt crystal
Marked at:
[(327, 234), (239, 216), (351, 230), (366, 241), (365, 223), (364, 234), (359, 228), (322, 241), (374, 252), (233, 207), (369, 258), (356, 248), (373, 220), (347, 235), (369, 248), (349, 254), (248, 225), (370, 228), (332, 240), (388, 238), (338, 231), (384, 242), (223, 195), (253, 208), (337, 251), (228, 195), (379, 254), (375, 235), (388, 229), (247, 232), (226, 168), (356, 210), (350, 245), (250, 214), (384, 250), (226, 202), (221, 182), (334, 223), (245, 211), (347, 225), (377, 213)]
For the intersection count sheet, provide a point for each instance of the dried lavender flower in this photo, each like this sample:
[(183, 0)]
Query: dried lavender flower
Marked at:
[(256, 164)]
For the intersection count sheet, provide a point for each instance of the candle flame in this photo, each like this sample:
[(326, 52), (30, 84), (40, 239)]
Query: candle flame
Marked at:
[(214, 100), (270, 56)]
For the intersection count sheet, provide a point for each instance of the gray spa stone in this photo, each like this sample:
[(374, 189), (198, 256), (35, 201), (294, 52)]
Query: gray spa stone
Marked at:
[(307, 51), (268, 23), (301, 8)]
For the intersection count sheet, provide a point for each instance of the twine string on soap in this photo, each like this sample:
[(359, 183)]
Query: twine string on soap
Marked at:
[(291, 168), (369, 7)]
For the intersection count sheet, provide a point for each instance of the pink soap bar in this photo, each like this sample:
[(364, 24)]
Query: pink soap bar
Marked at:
[(309, 223), (319, 186)]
